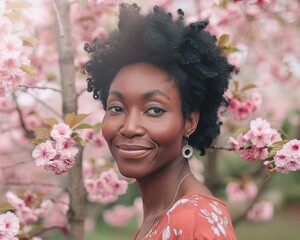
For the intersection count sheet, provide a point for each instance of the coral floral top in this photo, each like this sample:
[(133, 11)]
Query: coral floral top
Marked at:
[(194, 217)]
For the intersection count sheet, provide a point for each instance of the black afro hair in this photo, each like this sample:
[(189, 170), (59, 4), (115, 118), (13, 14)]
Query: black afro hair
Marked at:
[(188, 54)]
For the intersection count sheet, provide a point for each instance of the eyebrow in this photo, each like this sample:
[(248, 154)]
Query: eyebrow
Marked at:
[(145, 96), (154, 93), (117, 94)]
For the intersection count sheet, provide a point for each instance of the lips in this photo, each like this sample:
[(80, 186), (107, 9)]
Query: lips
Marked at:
[(133, 151)]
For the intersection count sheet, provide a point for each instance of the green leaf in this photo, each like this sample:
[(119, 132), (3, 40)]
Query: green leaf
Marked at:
[(6, 207), (223, 40), (29, 41), (236, 85), (29, 70), (15, 5), (97, 127), (83, 126), (82, 3), (248, 86), (271, 173), (41, 130), (50, 121), (229, 49), (13, 16), (275, 147), (242, 130), (78, 119), (69, 118)]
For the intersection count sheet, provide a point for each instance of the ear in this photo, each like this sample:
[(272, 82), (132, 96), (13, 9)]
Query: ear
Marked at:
[(191, 123)]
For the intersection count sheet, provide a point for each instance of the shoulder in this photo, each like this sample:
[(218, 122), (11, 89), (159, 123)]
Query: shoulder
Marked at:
[(201, 217)]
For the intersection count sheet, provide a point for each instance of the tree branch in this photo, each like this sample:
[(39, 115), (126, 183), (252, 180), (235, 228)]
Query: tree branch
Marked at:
[(28, 133), (40, 88), (69, 100)]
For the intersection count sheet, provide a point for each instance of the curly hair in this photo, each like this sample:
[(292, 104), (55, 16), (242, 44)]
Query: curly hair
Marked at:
[(188, 54)]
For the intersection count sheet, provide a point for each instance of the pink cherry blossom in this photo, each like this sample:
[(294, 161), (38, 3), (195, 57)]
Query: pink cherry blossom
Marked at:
[(241, 110), (9, 226), (119, 216), (56, 165), (261, 2), (25, 213), (14, 200), (11, 44), (43, 153), (66, 148), (288, 157), (45, 208), (256, 100), (237, 194), (253, 145), (6, 104), (261, 212), (253, 153), (260, 133), (61, 132), (239, 143), (28, 209), (106, 188)]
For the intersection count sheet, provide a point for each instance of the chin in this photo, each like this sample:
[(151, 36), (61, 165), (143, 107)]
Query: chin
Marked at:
[(132, 171)]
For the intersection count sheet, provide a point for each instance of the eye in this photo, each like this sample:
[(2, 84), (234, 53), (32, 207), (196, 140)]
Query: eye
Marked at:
[(155, 111), (115, 109)]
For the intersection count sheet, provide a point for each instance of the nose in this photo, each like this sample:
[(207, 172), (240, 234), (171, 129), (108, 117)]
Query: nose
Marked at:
[(132, 125)]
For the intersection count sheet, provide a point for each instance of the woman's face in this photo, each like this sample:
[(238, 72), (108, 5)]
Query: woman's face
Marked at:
[(143, 124)]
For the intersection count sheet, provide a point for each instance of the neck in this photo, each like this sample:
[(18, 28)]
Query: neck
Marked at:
[(159, 190)]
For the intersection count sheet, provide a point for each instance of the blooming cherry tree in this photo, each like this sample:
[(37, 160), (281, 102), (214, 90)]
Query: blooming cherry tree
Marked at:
[(66, 153)]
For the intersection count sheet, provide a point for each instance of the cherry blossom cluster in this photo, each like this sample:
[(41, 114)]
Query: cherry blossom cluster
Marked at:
[(9, 226), (57, 153), (287, 159), (238, 193), (253, 144), (119, 215), (241, 110), (261, 212), (95, 138), (29, 209), (14, 61), (106, 188)]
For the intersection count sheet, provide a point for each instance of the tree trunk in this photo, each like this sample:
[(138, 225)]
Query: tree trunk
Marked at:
[(69, 105)]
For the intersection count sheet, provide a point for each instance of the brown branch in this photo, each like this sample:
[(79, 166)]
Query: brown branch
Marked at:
[(45, 105), (40, 88), (14, 165), (31, 183), (28, 133), (215, 147)]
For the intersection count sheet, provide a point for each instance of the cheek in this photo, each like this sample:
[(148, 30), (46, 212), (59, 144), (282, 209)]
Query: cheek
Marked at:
[(107, 129), (169, 134)]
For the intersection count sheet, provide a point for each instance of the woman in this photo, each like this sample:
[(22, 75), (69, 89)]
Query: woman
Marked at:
[(161, 84)]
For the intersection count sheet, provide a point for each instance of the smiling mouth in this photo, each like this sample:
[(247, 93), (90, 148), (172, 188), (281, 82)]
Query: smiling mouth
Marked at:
[(133, 151)]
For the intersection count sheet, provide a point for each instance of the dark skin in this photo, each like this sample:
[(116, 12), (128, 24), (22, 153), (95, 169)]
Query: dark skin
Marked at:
[(145, 131)]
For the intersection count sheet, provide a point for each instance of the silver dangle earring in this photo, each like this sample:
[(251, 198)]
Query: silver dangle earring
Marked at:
[(187, 150)]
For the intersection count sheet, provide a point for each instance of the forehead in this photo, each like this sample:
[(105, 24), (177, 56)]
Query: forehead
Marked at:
[(142, 76)]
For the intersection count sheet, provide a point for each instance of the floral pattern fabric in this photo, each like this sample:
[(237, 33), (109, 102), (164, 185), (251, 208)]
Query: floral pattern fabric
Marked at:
[(194, 217)]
